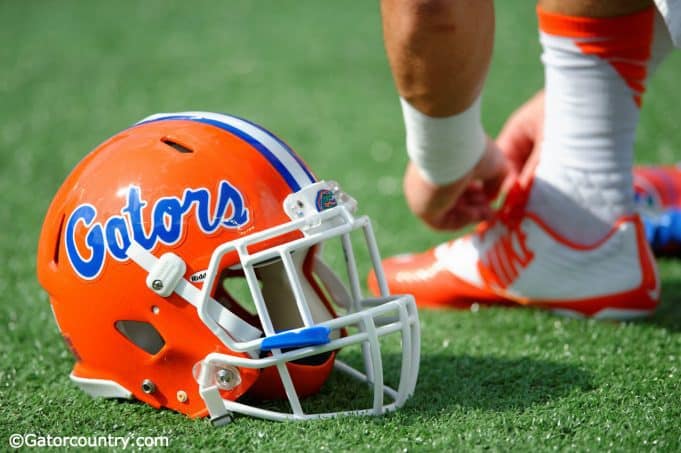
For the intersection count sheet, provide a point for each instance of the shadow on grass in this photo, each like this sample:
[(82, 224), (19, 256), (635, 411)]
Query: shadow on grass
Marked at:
[(668, 314), (491, 383), (447, 382)]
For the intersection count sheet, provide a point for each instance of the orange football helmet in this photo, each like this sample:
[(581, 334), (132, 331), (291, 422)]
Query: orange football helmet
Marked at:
[(143, 239)]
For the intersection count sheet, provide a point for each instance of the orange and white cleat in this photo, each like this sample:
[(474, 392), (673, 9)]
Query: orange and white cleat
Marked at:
[(517, 259)]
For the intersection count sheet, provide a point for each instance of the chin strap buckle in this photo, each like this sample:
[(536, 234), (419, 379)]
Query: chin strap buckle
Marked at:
[(165, 274)]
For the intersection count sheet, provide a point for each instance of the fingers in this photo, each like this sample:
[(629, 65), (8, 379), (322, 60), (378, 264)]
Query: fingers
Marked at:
[(462, 202), (444, 207), (521, 136), (494, 170), (516, 141), (465, 213), (455, 212), (523, 129), (467, 200), (429, 202)]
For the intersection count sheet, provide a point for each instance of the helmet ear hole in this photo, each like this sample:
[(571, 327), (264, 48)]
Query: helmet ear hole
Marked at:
[(141, 334)]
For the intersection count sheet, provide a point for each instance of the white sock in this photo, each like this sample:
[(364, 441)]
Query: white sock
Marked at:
[(595, 74)]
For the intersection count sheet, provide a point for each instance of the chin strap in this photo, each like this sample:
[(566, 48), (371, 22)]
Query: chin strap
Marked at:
[(165, 276)]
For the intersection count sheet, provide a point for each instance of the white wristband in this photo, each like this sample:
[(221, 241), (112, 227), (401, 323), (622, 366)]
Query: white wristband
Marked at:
[(444, 149)]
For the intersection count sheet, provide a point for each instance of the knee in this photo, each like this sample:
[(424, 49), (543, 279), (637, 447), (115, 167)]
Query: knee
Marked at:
[(441, 12), (432, 8)]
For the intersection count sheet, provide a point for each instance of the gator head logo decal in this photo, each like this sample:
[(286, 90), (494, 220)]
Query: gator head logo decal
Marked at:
[(112, 236), (325, 200)]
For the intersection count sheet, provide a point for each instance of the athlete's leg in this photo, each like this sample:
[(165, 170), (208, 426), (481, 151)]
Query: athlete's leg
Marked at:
[(595, 56)]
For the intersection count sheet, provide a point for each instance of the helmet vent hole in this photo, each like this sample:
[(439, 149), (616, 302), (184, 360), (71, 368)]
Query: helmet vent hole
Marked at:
[(141, 334), (176, 146), (55, 256)]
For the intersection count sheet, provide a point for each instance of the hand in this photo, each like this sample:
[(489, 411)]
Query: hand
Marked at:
[(520, 138), (461, 202)]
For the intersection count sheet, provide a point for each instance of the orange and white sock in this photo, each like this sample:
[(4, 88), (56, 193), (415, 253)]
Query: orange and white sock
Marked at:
[(595, 70)]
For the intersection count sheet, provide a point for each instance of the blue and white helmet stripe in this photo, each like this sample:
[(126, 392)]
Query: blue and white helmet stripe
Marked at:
[(283, 159)]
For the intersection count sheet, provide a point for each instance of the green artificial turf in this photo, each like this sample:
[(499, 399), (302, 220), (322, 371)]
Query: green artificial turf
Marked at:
[(73, 73)]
